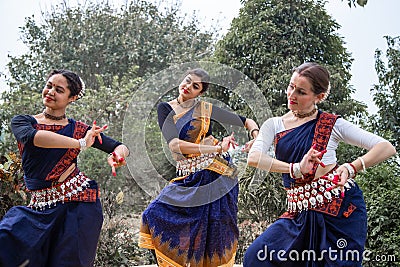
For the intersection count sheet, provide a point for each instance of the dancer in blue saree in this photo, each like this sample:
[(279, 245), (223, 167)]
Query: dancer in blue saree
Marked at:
[(61, 224), (326, 221), (193, 222)]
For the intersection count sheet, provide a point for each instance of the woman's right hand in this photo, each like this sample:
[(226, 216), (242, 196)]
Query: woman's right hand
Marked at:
[(227, 142), (94, 132), (309, 159)]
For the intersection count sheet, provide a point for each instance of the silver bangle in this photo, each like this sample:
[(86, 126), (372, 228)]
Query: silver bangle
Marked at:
[(296, 170), (350, 170), (362, 163), (82, 143)]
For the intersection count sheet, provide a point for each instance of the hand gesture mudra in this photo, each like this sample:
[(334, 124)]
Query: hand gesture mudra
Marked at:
[(94, 132), (310, 158)]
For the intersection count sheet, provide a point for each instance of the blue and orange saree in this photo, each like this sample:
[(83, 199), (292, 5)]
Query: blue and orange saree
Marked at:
[(193, 221)]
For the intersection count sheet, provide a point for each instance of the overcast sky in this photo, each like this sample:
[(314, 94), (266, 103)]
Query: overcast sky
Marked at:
[(362, 29)]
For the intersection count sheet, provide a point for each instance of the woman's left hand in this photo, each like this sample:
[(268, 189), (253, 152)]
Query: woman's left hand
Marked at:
[(94, 132), (227, 142), (343, 174), (115, 161), (339, 178), (248, 146)]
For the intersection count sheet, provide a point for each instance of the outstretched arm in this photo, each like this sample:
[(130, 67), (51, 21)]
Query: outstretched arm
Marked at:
[(49, 139)]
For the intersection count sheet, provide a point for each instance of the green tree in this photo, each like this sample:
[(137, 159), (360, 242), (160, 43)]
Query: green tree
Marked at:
[(381, 189), (386, 94), (101, 39), (271, 37), (380, 184), (352, 3)]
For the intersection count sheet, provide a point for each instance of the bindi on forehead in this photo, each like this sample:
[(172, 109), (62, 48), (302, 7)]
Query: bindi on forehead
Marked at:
[(301, 83)]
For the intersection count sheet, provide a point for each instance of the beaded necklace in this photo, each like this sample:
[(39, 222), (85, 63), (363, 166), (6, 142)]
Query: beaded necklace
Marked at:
[(304, 115), (52, 117)]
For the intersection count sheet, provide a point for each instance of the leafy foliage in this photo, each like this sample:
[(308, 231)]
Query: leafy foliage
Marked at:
[(261, 200), (102, 40), (248, 231), (352, 3), (263, 196), (269, 38), (386, 94), (11, 183), (382, 195), (118, 244)]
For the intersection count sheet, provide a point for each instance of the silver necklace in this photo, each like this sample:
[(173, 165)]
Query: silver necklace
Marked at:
[(189, 106)]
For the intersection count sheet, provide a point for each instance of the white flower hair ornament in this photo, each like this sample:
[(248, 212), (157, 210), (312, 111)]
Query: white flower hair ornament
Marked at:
[(326, 93), (82, 92)]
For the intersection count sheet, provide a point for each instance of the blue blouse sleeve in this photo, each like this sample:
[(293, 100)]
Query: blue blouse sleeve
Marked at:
[(166, 121), (22, 128), (224, 116), (108, 145)]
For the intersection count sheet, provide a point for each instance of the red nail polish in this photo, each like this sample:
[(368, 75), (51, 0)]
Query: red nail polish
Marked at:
[(322, 164), (121, 159), (94, 122), (342, 194), (336, 178), (114, 154), (105, 126), (114, 174), (323, 151)]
